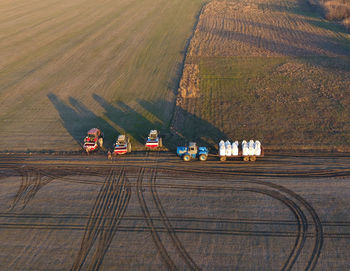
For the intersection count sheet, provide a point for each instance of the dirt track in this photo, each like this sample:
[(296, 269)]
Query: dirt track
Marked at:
[(152, 211)]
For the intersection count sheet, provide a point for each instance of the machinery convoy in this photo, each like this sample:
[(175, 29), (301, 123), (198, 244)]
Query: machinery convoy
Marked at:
[(248, 151)]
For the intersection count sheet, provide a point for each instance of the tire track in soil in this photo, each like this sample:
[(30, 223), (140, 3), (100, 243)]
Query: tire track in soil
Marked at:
[(318, 235), (196, 230), (336, 173), (315, 254), (317, 222), (296, 210), (106, 214), (31, 182), (301, 222), (150, 223), (301, 219), (168, 226), (173, 218)]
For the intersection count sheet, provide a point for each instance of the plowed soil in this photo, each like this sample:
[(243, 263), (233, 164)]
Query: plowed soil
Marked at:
[(268, 69), (151, 211)]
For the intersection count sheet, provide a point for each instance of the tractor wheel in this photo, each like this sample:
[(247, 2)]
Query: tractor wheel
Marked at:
[(100, 142), (246, 158), (202, 157), (253, 158), (223, 158), (160, 142), (186, 158)]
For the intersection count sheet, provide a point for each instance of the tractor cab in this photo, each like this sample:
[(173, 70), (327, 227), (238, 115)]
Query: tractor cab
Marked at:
[(192, 148), (93, 134)]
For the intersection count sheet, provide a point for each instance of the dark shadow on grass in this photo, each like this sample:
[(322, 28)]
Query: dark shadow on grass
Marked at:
[(186, 127), (78, 119), (132, 122)]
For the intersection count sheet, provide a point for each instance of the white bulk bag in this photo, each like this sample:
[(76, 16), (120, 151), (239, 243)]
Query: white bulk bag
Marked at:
[(257, 148), (228, 148), (251, 147), (222, 149), (234, 148), (245, 148)]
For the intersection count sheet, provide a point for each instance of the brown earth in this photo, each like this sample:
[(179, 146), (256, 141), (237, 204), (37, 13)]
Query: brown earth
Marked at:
[(268, 69), (155, 212), (260, 28)]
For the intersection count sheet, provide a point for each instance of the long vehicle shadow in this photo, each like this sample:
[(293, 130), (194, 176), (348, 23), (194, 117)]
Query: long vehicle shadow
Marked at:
[(78, 119), (132, 122), (185, 127)]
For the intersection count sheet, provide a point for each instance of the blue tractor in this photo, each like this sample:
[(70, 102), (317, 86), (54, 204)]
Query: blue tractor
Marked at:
[(192, 152)]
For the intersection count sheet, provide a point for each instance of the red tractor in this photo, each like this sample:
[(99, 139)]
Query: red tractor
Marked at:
[(154, 141), (93, 140)]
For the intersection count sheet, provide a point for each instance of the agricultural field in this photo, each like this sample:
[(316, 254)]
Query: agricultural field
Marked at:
[(267, 69), (196, 70), (67, 66), (150, 211)]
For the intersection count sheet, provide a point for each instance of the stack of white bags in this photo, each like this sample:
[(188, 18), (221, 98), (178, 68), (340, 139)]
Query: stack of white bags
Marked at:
[(251, 148), (226, 149), (248, 148)]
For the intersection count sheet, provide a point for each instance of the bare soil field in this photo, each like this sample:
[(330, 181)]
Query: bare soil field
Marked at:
[(67, 66), (337, 10), (267, 69), (151, 211)]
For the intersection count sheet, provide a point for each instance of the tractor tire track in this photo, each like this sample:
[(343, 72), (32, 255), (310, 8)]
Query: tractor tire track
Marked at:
[(107, 236), (154, 233), (31, 182), (170, 230), (315, 254), (300, 218), (107, 212), (194, 230)]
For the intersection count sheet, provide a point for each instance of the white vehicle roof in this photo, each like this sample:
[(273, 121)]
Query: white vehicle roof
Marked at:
[(121, 138)]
